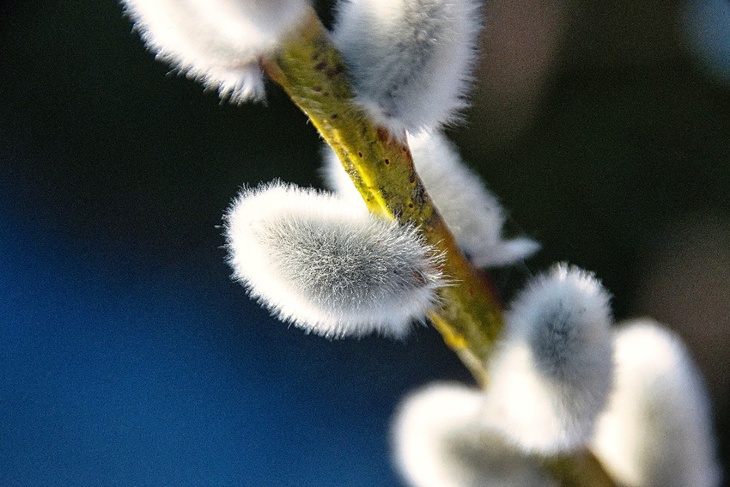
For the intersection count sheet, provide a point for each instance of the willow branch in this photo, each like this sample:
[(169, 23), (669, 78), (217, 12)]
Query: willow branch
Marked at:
[(312, 72)]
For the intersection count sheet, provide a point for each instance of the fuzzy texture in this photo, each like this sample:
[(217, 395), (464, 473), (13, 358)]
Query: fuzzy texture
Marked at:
[(553, 372), (410, 61), (440, 440), (656, 430), (328, 267), (470, 210), (217, 42)]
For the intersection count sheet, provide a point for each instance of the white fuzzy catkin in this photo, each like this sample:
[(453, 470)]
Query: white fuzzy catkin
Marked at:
[(439, 440), (553, 373), (410, 61), (328, 267), (656, 429), (470, 210), (217, 42)]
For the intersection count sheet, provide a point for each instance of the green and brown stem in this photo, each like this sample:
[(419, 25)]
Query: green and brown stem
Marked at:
[(312, 72)]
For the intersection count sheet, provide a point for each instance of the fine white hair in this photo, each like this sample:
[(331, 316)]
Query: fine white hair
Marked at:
[(553, 372), (328, 267), (472, 213), (656, 429), (440, 440), (217, 42), (410, 61)]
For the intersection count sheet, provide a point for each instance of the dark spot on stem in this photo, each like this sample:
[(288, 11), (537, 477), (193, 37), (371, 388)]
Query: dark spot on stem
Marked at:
[(320, 66), (419, 195), (387, 161), (332, 72)]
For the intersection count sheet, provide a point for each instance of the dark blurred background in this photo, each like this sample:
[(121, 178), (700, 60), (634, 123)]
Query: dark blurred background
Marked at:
[(128, 357)]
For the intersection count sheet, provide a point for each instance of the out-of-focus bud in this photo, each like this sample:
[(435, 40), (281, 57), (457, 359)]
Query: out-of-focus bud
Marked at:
[(553, 374), (218, 42), (656, 430), (440, 440)]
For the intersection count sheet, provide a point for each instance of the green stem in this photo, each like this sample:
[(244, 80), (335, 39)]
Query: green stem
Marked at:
[(310, 69), (313, 73)]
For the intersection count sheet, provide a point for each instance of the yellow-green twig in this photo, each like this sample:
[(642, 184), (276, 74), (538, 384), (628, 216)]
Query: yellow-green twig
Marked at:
[(310, 69), (312, 72)]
